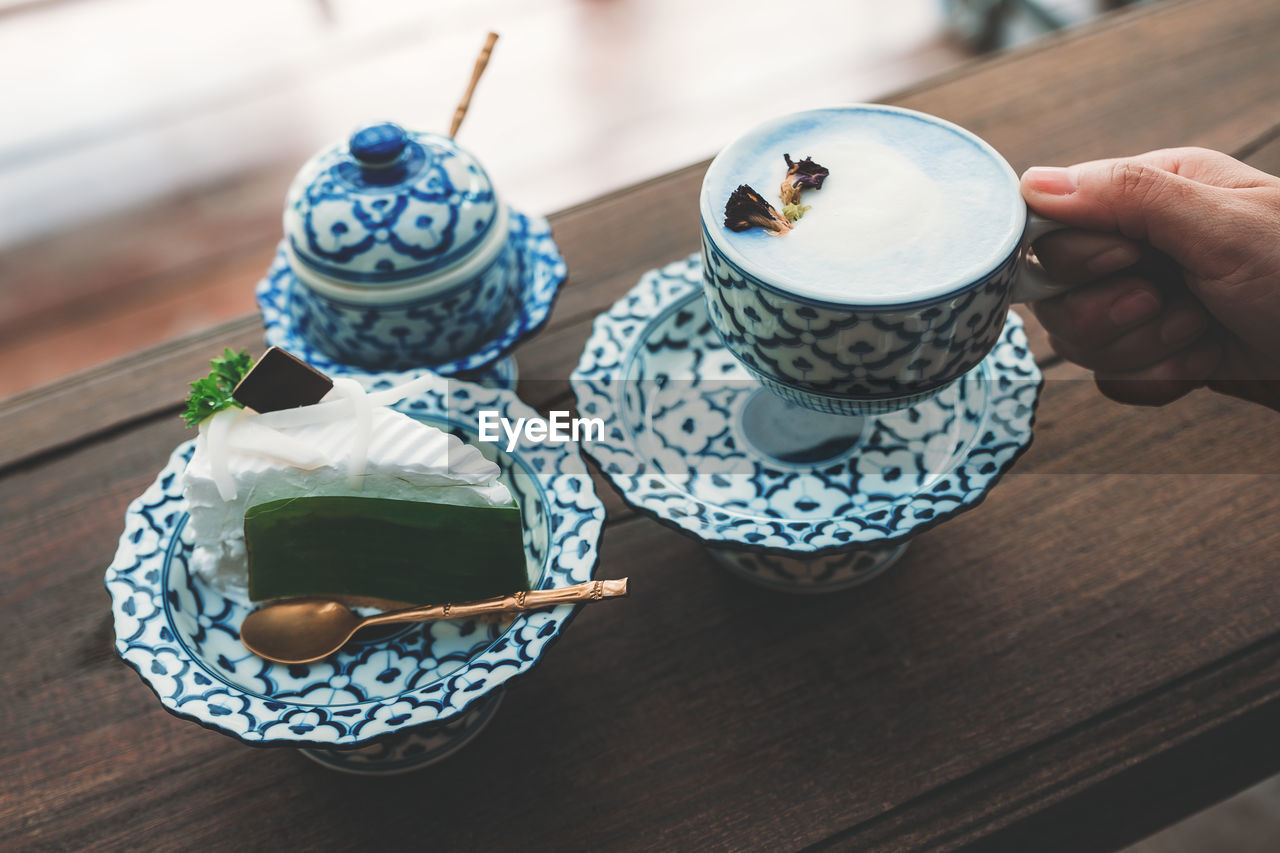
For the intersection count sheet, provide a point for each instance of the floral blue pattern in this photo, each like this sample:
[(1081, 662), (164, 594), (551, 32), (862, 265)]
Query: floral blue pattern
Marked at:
[(447, 335), (182, 638), (820, 574), (424, 330), (819, 355), (698, 444), (389, 212), (410, 749), (917, 304)]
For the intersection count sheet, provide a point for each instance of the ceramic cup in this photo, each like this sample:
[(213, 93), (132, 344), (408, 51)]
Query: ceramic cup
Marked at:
[(401, 250), (894, 283)]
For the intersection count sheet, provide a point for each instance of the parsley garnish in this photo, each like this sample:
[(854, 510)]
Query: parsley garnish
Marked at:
[(212, 394)]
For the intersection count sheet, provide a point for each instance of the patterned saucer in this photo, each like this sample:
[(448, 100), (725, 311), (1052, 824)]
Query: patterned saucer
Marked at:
[(542, 271), (420, 691), (790, 498)]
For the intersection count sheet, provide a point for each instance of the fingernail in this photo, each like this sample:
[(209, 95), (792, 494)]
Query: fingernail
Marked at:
[(1134, 306), (1051, 180), (1202, 361), (1181, 326), (1114, 259)]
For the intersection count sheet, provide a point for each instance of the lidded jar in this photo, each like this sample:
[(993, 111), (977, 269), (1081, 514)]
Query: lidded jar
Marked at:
[(401, 250)]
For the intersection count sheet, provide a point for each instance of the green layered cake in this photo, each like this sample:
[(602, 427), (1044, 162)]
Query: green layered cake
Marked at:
[(394, 550), (346, 497)]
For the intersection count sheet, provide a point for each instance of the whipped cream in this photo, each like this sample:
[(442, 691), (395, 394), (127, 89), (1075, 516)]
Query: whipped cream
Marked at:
[(349, 443)]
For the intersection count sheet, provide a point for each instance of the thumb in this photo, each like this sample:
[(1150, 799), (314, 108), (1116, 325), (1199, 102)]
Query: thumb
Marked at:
[(1134, 196)]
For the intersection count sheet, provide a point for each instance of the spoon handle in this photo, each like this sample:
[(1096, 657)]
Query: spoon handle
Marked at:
[(514, 603)]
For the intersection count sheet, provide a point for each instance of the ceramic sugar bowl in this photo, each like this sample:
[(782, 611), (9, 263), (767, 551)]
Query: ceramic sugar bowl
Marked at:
[(401, 251)]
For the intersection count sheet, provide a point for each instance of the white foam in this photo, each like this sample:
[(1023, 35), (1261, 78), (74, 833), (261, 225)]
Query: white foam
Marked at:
[(913, 208), (875, 203)]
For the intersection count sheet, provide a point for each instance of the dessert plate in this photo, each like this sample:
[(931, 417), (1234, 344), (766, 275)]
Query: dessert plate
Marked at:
[(542, 271), (438, 682), (788, 497)]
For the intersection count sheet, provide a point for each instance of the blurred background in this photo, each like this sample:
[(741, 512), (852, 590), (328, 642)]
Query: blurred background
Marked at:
[(146, 145)]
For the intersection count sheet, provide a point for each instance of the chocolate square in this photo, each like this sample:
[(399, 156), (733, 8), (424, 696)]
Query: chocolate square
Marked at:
[(281, 380)]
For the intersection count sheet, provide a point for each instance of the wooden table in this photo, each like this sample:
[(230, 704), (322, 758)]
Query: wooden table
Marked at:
[(1092, 653)]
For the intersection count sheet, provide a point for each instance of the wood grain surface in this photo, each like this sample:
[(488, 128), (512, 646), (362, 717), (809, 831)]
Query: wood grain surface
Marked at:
[(1090, 654)]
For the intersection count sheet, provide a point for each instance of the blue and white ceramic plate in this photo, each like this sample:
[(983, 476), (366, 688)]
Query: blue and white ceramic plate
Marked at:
[(542, 271), (182, 636), (694, 441)]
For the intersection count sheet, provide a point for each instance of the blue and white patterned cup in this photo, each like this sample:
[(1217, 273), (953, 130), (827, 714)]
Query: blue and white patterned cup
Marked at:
[(885, 300), (402, 249)]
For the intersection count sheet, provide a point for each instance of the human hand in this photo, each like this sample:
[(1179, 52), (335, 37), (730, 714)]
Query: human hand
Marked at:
[(1179, 273)]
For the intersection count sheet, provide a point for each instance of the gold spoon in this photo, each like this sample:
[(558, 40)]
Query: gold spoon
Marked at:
[(302, 630)]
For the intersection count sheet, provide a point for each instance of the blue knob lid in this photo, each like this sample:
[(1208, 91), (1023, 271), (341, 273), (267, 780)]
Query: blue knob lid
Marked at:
[(388, 206), (378, 144)]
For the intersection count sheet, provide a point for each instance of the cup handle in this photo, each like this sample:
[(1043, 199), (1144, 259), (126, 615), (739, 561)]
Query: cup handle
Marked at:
[(1032, 283)]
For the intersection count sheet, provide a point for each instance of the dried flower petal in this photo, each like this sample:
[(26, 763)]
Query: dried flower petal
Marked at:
[(805, 174), (746, 209)]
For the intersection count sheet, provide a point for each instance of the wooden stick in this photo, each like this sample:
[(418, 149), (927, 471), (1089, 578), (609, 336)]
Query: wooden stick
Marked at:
[(581, 593), (481, 61)]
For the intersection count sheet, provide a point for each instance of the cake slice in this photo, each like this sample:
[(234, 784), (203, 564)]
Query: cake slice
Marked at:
[(373, 549), (346, 497)]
